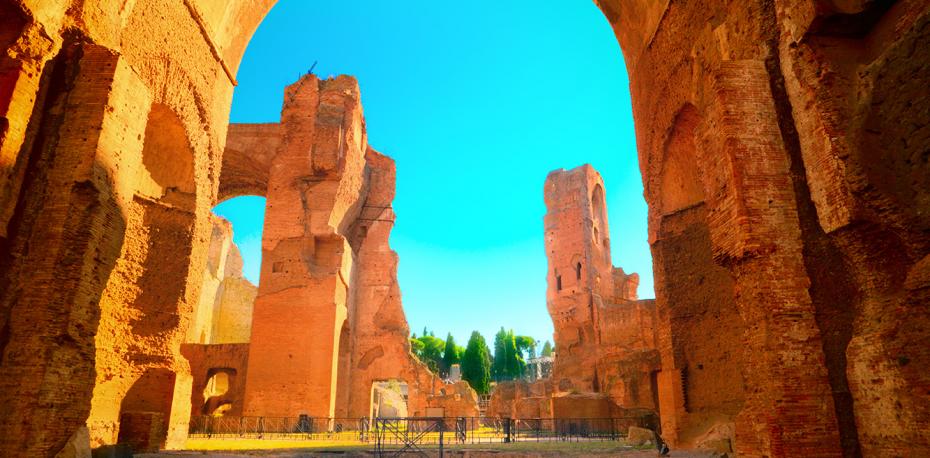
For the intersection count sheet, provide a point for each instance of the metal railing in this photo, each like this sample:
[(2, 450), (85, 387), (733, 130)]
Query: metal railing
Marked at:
[(413, 432), (300, 428)]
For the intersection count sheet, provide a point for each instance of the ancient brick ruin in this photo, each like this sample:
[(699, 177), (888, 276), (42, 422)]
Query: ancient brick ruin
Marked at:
[(783, 149), (607, 357), (328, 321)]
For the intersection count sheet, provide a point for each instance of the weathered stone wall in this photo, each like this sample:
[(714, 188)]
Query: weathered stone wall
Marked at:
[(232, 321), (628, 359), (110, 159), (223, 313), (521, 399), (792, 167)]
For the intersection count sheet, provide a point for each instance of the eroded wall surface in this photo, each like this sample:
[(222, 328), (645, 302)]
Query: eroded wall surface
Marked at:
[(798, 158), (328, 320)]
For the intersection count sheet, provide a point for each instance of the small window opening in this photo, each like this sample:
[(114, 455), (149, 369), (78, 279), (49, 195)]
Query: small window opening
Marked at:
[(578, 271), (558, 283)]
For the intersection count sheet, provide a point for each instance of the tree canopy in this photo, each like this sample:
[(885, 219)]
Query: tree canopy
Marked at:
[(509, 362), (431, 352), (476, 364), (452, 354)]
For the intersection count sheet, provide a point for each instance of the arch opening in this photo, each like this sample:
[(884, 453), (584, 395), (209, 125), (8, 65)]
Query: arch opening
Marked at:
[(694, 295)]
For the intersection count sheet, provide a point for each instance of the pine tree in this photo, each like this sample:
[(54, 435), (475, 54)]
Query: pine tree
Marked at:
[(431, 352), (499, 366), (476, 364), (515, 364), (450, 356), (508, 359), (547, 349)]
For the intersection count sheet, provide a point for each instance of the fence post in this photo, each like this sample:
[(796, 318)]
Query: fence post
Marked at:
[(442, 428), (507, 430)]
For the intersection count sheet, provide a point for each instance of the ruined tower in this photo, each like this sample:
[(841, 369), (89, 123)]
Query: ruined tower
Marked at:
[(328, 321), (581, 276), (314, 185)]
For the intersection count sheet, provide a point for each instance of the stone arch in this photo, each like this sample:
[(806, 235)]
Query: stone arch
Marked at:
[(343, 376), (702, 33), (247, 158), (702, 365), (680, 185), (165, 203), (217, 394)]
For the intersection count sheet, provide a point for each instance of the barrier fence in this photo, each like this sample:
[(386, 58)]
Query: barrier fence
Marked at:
[(421, 430)]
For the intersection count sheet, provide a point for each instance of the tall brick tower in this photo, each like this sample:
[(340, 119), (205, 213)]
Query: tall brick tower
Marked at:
[(580, 277), (317, 175)]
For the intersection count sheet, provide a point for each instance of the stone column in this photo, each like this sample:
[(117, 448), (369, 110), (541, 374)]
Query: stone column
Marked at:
[(64, 240), (315, 184), (755, 233)]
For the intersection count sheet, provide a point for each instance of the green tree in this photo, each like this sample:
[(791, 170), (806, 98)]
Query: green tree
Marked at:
[(516, 365), (416, 347), (476, 364), (432, 351), (499, 365), (451, 355), (508, 359), (527, 346), (547, 349)]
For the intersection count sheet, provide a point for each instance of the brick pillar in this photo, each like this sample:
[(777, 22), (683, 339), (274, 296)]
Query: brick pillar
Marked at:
[(755, 233), (64, 239), (313, 194)]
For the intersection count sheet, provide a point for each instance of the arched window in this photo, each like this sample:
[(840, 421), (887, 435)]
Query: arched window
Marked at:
[(578, 271)]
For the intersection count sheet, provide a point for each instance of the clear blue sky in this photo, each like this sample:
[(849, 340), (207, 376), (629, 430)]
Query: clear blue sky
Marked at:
[(476, 101)]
